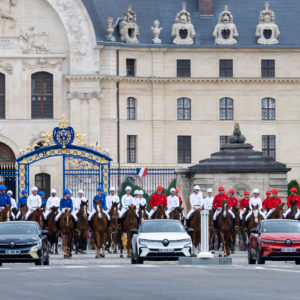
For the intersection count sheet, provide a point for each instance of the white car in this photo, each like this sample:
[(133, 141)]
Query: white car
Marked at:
[(160, 240)]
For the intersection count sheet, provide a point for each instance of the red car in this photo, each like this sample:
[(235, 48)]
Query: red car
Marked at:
[(275, 240)]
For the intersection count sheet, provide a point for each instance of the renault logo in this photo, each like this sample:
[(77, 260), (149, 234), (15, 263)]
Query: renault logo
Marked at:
[(288, 243), (12, 244), (165, 242)]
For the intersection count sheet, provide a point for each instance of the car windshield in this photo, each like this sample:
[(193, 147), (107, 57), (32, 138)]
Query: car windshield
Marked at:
[(281, 226), (18, 228), (161, 227)]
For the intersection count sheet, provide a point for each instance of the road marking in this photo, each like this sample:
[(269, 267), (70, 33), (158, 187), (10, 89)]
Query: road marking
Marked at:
[(3, 269), (75, 267), (39, 268), (282, 270)]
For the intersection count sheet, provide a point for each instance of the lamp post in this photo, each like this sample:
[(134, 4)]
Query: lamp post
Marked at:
[(204, 236)]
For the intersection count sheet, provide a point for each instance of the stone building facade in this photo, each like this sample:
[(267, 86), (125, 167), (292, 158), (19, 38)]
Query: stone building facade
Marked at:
[(101, 54)]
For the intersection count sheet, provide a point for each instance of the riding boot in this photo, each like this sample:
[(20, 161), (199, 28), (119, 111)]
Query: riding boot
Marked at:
[(188, 223), (216, 226), (234, 224), (57, 226)]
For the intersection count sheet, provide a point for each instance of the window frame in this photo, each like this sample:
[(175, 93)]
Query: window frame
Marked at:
[(268, 109), (226, 109), (266, 150), (130, 108), (182, 149), (130, 69), (2, 97), (182, 70), (228, 70), (268, 71), (184, 109), (131, 150)]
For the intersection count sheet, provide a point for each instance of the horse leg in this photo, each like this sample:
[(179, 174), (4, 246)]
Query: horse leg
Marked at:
[(97, 242), (222, 242), (103, 244), (128, 245)]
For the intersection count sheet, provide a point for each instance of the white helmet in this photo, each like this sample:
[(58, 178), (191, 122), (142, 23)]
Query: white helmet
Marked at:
[(10, 192), (53, 191), (112, 189), (136, 192), (140, 192), (255, 191), (81, 192), (209, 191), (128, 188), (34, 189), (172, 190), (197, 187)]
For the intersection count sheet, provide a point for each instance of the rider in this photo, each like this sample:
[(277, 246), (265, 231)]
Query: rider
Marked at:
[(177, 191), (158, 199), (80, 198), (292, 199), (172, 200), (66, 202), (99, 197), (4, 198), (232, 200), (53, 201), (112, 198), (126, 201), (44, 201), (196, 201), (267, 200), (22, 201), (34, 201), (273, 202), (255, 201), (244, 204), (208, 201), (14, 208)]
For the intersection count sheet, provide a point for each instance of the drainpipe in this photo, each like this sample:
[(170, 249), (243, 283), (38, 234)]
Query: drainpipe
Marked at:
[(118, 116)]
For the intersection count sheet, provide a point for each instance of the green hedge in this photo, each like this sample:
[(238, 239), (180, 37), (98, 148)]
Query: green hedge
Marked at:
[(293, 183)]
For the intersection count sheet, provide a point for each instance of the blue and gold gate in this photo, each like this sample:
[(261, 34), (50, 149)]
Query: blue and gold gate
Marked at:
[(84, 167)]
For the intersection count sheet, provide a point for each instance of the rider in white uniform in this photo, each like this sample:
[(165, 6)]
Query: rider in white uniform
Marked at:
[(172, 200), (255, 201), (53, 201), (126, 200), (196, 200), (80, 198), (34, 201), (208, 201), (112, 198), (14, 207)]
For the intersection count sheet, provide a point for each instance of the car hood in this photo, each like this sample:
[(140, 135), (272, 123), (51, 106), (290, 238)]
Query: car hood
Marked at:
[(159, 236), (280, 236), (19, 238)]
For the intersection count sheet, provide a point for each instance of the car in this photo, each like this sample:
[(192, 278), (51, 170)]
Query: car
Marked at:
[(275, 239), (160, 240), (23, 242)]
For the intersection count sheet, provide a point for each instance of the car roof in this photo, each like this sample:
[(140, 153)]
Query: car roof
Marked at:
[(278, 220), (161, 220)]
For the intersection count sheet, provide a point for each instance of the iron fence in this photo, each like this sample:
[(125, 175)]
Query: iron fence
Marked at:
[(8, 177)]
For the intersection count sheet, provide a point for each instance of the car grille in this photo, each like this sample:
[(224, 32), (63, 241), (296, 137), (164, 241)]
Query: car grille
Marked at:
[(153, 254), (18, 246)]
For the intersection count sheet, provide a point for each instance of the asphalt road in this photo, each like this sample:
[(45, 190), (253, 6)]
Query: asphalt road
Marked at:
[(84, 277)]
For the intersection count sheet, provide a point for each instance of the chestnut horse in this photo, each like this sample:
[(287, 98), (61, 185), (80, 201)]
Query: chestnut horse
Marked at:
[(195, 221), (53, 234), (5, 215), (160, 213), (225, 225), (99, 226), (176, 214), (277, 212), (236, 212), (66, 227), (23, 212), (254, 219), (143, 214), (83, 228), (293, 212), (37, 216), (130, 222)]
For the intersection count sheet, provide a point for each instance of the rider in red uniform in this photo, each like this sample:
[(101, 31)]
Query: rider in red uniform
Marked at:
[(266, 202), (158, 199), (273, 202), (232, 200), (292, 199)]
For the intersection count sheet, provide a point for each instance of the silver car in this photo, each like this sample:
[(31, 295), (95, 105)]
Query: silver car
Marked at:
[(160, 240)]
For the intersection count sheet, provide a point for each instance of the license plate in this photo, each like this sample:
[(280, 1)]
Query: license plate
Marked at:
[(288, 250), (12, 252), (165, 250)]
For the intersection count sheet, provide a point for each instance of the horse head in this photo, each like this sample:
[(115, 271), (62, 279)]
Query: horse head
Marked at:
[(83, 208), (6, 213), (279, 211), (98, 207), (255, 213), (224, 208), (294, 208), (161, 212)]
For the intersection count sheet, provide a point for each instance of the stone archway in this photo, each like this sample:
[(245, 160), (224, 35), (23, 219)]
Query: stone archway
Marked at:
[(7, 156)]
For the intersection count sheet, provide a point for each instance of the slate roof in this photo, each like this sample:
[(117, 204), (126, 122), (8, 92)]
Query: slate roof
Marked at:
[(245, 14)]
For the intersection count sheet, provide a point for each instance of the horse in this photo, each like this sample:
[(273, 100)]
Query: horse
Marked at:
[(23, 212), (277, 212), (225, 225), (99, 226), (143, 214), (160, 213), (293, 212), (243, 232), (195, 220), (53, 234), (66, 227), (83, 229), (130, 222), (236, 212), (114, 230), (37, 216), (254, 219), (5, 215), (176, 214)]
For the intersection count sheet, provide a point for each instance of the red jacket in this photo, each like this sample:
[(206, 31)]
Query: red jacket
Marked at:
[(244, 203), (266, 204), (217, 203), (274, 201), (180, 200), (158, 199), (291, 199), (233, 202)]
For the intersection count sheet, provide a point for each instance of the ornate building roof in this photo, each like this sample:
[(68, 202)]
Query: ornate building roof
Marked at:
[(246, 17)]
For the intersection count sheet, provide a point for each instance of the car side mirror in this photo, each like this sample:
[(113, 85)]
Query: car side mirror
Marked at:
[(45, 232), (254, 230), (134, 231), (190, 230)]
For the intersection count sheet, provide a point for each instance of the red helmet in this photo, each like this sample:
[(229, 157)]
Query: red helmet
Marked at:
[(231, 191), (293, 190), (268, 192), (274, 191), (177, 190), (221, 189), (160, 188), (246, 193)]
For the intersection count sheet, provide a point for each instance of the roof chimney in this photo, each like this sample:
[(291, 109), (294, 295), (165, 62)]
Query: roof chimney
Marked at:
[(206, 7)]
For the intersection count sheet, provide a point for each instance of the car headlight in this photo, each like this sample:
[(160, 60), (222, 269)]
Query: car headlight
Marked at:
[(37, 246), (144, 241), (271, 241), (186, 240)]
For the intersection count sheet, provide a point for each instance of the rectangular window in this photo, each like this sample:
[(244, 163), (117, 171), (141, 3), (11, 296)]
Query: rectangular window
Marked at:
[(224, 139), (268, 68), (183, 68), (183, 109), (130, 67), (225, 67), (269, 145), (131, 148), (184, 149), (130, 108)]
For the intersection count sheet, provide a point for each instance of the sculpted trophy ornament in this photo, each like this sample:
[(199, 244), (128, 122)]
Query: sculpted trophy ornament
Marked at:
[(183, 31), (110, 28), (267, 31), (156, 32), (129, 30), (225, 31), (7, 20)]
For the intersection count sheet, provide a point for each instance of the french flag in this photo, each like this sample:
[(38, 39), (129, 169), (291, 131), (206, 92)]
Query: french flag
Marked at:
[(142, 172)]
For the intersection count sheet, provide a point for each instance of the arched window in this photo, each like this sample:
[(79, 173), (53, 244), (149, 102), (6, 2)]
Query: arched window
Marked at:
[(183, 109), (226, 109), (43, 182), (42, 96), (130, 108), (268, 108), (2, 96)]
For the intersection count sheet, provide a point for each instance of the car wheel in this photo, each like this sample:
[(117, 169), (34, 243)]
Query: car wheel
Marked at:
[(1, 264), (139, 260), (251, 260), (259, 259), (297, 261), (40, 261), (47, 260)]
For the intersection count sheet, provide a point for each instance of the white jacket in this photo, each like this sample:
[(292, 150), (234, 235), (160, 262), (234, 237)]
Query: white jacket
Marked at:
[(78, 202), (110, 200), (127, 200), (52, 202), (208, 203), (173, 202), (255, 201), (140, 202), (196, 200), (34, 201), (13, 203)]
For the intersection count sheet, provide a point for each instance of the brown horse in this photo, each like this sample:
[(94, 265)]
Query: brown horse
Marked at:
[(225, 225), (160, 213), (66, 227), (293, 212), (5, 215), (143, 214), (277, 212), (53, 234), (130, 222), (176, 214), (99, 225), (37, 216), (83, 228), (243, 232), (254, 219), (23, 212), (195, 220)]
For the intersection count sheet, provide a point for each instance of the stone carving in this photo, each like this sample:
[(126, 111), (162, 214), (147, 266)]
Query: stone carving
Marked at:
[(225, 31), (129, 30), (32, 42), (240, 188), (156, 32), (110, 28), (183, 31), (7, 20), (237, 137), (267, 31), (42, 64), (7, 67)]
